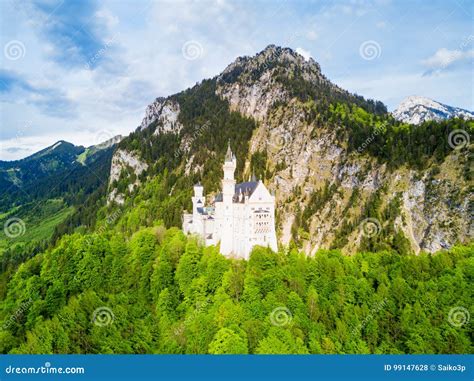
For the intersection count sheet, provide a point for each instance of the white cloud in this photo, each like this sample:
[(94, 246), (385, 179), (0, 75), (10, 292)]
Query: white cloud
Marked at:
[(444, 58), (109, 19), (305, 53)]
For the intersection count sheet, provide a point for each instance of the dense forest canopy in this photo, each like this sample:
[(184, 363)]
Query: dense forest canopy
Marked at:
[(162, 292), (114, 280)]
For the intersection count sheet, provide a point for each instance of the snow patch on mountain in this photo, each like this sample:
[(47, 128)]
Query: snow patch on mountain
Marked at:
[(417, 109)]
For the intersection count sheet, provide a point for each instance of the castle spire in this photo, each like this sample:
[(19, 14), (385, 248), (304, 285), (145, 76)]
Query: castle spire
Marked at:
[(229, 156)]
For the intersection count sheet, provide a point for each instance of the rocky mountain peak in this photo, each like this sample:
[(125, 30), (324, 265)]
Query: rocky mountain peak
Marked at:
[(270, 60), (252, 85), (165, 111), (108, 143), (418, 109), (283, 55)]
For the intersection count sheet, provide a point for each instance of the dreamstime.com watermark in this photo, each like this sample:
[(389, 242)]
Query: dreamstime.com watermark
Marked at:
[(17, 314), (451, 56), (458, 139), (370, 50), (101, 52), (200, 306), (371, 138), (14, 50), (277, 141), (192, 50), (111, 218), (197, 132), (374, 310), (45, 369)]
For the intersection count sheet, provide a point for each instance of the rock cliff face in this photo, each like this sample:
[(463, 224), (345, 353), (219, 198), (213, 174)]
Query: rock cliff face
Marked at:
[(434, 212), (319, 183), (165, 112), (124, 164)]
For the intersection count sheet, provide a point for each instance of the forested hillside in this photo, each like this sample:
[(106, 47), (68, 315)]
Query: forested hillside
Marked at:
[(43, 196), (161, 292), (333, 159), (358, 194)]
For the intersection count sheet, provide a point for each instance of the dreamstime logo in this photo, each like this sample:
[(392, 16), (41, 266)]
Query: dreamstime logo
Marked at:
[(14, 227), (281, 316), (14, 50), (103, 316), (111, 218), (102, 136), (192, 50), (200, 306), (370, 50), (458, 139), (277, 141), (458, 316), (370, 227)]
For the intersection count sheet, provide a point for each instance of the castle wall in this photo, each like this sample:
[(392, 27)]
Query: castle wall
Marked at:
[(237, 226)]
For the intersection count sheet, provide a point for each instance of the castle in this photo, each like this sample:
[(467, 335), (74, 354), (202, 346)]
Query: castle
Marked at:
[(242, 216)]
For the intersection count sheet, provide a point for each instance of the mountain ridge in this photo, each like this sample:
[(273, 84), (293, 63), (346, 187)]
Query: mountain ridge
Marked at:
[(417, 109), (318, 147), (44, 189), (273, 61)]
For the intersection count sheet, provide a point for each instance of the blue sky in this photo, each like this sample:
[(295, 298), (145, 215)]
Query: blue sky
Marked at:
[(83, 71)]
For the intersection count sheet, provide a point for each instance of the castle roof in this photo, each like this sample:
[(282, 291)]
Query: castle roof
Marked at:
[(229, 156), (247, 188)]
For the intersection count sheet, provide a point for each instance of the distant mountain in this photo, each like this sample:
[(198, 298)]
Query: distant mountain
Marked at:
[(25, 172), (45, 188), (90, 152), (25, 175), (416, 110)]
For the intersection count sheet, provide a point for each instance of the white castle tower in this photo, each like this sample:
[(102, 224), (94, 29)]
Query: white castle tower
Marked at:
[(228, 191), (198, 199), (242, 216)]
